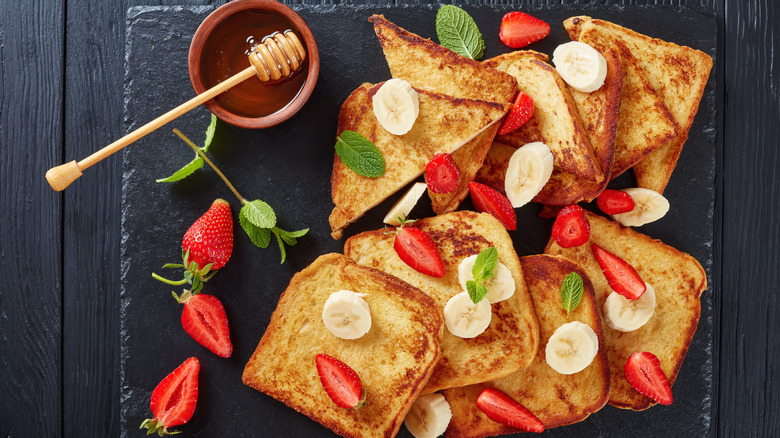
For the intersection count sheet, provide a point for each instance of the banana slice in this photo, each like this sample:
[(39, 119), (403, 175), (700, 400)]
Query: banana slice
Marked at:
[(429, 416), (626, 315), (528, 171), (649, 206), (500, 286), (405, 204), (346, 314), (580, 65), (465, 319), (396, 106), (571, 348)]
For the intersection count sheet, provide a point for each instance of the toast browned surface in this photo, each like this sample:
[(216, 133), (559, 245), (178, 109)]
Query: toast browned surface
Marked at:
[(556, 121), (678, 280), (429, 66), (444, 124), (511, 340), (556, 399), (679, 75), (599, 113), (394, 359)]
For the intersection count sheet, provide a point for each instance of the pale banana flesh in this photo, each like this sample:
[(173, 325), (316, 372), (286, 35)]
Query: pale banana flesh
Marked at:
[(649, 206), (529, 169), (500, 286), (465, 319), (396, 106), (571, 348), (580, 65), (429, 416), (346, 314), (625, 315), (404, 206)]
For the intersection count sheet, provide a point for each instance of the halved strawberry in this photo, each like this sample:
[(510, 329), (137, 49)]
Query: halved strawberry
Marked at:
[(644, 373), (174, 399), (621, 276), (340, 382), (520, 114), (612, 201), (501, 408), (571, 228), (442, 174), (205, 320), (416, 248), (489, 200), (519, 29)]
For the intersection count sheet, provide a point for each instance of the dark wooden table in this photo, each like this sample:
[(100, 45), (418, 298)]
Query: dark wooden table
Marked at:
[(61, 82)]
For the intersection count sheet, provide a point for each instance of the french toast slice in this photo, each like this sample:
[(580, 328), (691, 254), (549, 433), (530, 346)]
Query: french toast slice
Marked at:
[(510, 341), (394, 359), (679, 75), (678, 280), (599, 113), (556, 399), (429, 66), (444, 124)]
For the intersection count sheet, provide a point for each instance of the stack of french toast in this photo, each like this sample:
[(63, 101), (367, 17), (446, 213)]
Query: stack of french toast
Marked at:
[(638, 119)]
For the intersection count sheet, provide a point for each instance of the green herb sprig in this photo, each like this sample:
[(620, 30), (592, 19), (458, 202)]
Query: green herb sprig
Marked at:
[(197, 162), (571, 292), (458, 32), (482, 271), (360, 155)]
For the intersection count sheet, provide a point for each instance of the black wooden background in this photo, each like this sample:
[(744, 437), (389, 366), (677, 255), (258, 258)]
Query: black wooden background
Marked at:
[(61, 81)]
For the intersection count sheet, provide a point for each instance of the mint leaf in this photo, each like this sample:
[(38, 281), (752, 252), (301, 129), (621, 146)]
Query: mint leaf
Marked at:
[(360, 155), (476, 290), (258, 213), (485, 264), (571, 292), (281, 247), (210, 133), (458, 32), (184, 172), (261, 237)]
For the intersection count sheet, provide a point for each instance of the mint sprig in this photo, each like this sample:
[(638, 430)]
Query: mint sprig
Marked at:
[(256, 217), (458, 32), (482, 271), (196, 162), (360, 155), (571, 292)]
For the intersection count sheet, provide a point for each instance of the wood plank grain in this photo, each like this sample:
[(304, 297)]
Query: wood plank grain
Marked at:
[(749, 341), (94, 75), (30, 227)]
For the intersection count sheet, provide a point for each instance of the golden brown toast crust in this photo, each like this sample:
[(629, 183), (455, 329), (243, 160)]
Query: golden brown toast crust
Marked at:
[(679, 74), (394, 359), (556, 121), (511, 340), (444, 124), (678, 280), (556, 399)]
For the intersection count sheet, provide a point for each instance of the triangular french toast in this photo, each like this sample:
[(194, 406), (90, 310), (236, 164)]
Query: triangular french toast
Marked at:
[(556, 399), (444, 124), (511, 339), (679, 75), (678, 281)]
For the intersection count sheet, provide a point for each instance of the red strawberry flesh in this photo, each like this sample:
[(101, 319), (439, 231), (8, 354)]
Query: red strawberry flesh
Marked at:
[(489, 200), (519, 29), (521, 113), (503, 409), (174, 399), (644, 373), (341, 383), (571, 227), (442, 174), (210, 238), (418, 250), (621, 276), (615, 202), (204, 319)]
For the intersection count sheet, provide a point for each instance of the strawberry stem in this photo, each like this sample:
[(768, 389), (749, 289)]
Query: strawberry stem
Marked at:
[(171, 282), (206, 159)]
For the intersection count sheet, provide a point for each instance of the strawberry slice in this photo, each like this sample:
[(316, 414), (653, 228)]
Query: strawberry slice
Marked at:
[(340, 382), (442, 174), (621, 276), (571, 228), (644, 373), (519, 29), (416, 248), (174, 399), (489, 200), (520, 114), (205, 320), (501, 408), (615, 201)]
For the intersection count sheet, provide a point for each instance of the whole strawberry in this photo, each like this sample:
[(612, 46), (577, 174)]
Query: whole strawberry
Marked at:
[(206, 247)]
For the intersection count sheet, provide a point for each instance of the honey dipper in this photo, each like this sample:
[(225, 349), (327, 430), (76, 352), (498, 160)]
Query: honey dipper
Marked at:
[(276, 57)]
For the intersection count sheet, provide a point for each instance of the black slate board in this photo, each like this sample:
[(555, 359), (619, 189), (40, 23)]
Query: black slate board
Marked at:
[(289, 167)]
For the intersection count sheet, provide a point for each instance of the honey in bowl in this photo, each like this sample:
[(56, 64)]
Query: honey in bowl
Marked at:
[(226, 53)]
